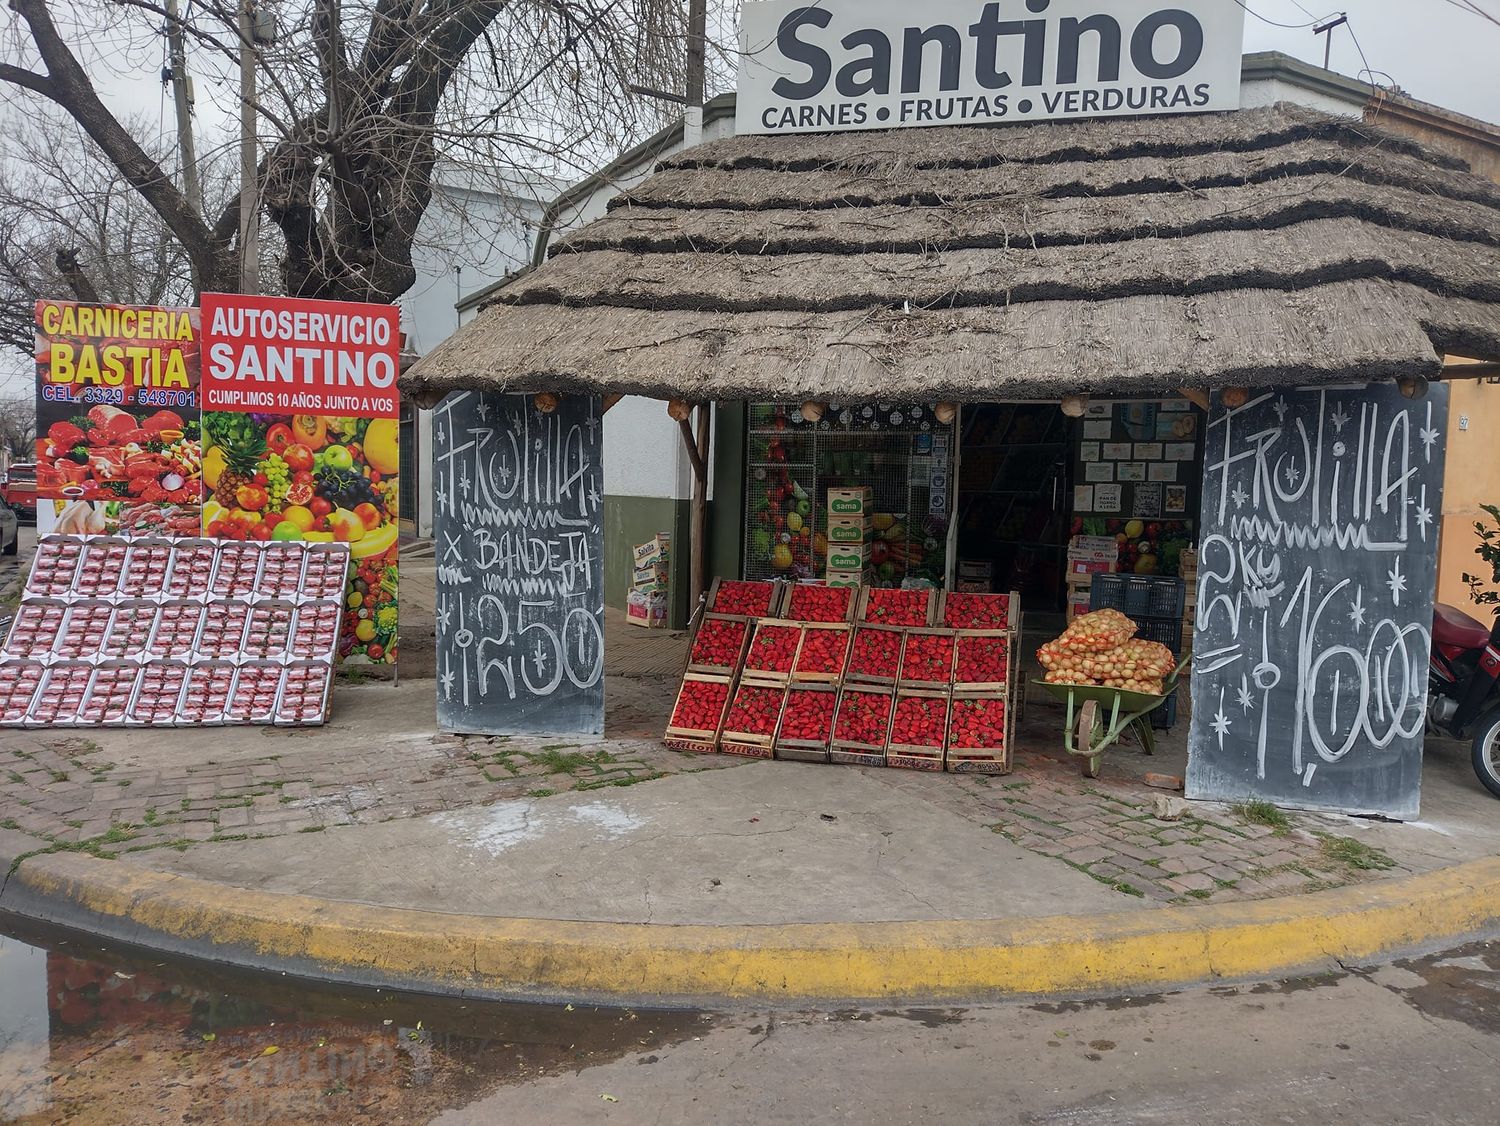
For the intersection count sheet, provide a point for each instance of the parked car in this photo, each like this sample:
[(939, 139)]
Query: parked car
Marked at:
[(20, 490), (10, 531)]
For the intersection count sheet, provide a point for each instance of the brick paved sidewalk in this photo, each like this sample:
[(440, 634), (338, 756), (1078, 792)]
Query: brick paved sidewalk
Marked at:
[(119, 793), (66, 790)]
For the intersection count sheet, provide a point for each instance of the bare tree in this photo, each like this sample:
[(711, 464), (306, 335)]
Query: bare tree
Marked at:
[(70, 223), (358, 100), (18, 427)]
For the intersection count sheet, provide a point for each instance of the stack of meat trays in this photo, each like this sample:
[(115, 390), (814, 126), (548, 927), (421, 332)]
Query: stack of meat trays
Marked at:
[(185, 632)]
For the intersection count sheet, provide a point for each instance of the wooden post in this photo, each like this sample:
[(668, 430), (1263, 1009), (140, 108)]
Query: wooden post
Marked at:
[(697, 447), (1198, 398), (546, 401)]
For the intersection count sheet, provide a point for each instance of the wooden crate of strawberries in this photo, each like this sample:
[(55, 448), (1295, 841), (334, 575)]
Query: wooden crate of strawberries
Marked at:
[(806, 726), (965, 610), (979, 733), (772, 654), (750, 724), (862, 726), (719, 645), (815, 602), (983, 660), (875, 655), (698, 713), (740, 598), (889, 607), (927, 659), (823, 654), (919, 730)]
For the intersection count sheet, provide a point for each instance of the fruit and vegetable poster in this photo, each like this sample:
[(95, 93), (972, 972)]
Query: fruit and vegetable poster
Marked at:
[(118, 448), (519, 532), (1137, 473), (301, 441)]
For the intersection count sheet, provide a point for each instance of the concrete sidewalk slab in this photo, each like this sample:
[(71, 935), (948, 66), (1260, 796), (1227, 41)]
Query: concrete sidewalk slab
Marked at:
[(764, 844)]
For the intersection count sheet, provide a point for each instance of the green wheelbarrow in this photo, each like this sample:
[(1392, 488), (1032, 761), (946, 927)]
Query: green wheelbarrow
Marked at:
[(1087, 734)]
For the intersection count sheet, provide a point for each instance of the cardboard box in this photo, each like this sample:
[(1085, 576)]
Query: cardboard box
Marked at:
[(851, 502), (647, 610), (973, 586), (656, 550), (848, 557), (1092, 566), (976, 569), (847, 579), (646, 575), (850, 530)]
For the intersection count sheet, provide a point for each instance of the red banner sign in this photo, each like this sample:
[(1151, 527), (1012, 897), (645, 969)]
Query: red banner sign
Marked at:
[(285, 355)]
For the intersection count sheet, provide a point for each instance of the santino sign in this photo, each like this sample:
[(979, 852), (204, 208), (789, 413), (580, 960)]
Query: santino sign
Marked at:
[(880, 64)]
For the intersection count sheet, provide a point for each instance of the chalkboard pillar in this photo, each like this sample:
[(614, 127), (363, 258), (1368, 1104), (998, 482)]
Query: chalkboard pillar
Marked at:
[(518, 532), (1317, 565)]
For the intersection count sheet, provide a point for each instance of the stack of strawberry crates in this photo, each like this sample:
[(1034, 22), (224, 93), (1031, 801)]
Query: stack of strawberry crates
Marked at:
[(863, 676)]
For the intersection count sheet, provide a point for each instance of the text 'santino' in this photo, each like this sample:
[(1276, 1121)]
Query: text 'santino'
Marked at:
[(877, 64)]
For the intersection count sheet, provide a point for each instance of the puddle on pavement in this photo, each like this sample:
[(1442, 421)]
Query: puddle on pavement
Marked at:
[(92, 1034)]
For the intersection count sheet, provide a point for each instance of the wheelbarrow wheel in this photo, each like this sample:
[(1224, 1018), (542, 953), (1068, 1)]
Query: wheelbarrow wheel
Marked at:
[(1087, 736)]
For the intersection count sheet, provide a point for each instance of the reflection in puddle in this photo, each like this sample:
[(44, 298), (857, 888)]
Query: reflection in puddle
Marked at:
[(23, 1030), (88, 1035)]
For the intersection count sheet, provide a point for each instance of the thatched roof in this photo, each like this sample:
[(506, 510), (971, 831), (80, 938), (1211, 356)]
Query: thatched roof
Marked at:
[(1259, 247)]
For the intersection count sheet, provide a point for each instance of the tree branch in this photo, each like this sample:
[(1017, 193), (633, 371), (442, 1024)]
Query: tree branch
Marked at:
[(72, 273), (19, 76), (68, 86)]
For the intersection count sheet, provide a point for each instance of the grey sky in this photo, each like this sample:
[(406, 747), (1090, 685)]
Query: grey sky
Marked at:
[(1431, 48), (1434, 51)]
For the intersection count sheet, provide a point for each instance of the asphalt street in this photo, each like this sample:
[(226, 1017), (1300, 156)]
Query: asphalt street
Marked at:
[(1412, 1042)]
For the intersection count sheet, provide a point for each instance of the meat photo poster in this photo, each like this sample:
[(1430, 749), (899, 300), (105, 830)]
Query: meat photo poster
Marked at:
[(258, 419), (118, 443)]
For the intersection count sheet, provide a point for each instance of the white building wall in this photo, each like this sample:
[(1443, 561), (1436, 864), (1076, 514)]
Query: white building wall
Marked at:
[(469, 239)]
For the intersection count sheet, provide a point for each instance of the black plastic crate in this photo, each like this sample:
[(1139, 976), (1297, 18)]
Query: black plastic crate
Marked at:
[(1156, 606), (1139, 596), (1167, 631)]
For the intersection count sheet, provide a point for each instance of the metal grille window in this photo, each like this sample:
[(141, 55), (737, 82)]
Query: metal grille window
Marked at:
[(899, 450)]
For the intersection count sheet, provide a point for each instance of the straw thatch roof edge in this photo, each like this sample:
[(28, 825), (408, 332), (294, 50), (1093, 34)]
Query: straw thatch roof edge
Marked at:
[(1259, 247)]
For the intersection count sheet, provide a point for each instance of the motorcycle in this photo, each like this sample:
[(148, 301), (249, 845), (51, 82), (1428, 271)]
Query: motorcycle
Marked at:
[(1464, 687)]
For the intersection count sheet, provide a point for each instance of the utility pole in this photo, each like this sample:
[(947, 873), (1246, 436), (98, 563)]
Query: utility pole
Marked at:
[(697, 51), (249, 156), (698, 442), (1327, 29), (182, 100)]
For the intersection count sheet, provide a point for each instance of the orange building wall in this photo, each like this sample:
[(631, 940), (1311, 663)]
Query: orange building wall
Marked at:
[(1472, 478)]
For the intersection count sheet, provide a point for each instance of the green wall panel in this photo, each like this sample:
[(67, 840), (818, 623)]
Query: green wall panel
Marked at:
[(632, 520)]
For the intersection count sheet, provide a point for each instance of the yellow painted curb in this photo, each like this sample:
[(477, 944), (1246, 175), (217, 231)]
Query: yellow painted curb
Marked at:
[(819, 962)]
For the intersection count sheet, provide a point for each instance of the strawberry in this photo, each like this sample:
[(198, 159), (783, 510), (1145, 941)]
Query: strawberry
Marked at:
[(700, 705), (863, 717), (977, 725), (808, 715), (919, 721), (773, 649), (811, 603), (718, 643), (823, 650), (976, 611)]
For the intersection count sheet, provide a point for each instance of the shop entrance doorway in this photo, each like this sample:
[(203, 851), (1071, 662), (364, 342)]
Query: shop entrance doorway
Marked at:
[(1014, 500)]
